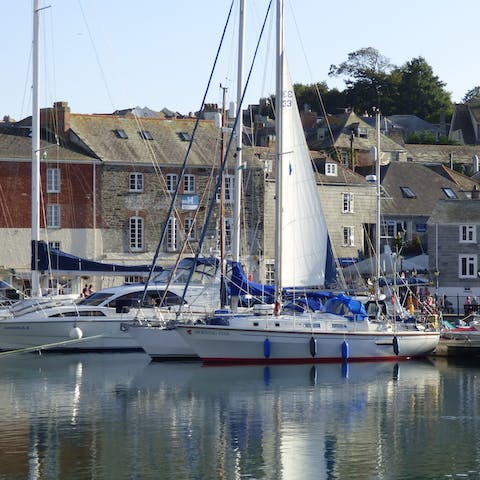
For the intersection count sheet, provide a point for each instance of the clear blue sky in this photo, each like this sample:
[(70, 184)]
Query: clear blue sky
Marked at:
[(102, 55)]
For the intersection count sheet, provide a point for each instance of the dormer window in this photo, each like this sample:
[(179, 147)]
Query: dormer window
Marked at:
[(407, 192), (146, 135), (331, 169), (362, 132)]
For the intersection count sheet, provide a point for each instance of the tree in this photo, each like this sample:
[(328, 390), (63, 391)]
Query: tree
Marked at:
[(421, 92), (368, 79), (471, 94), (317, 94)]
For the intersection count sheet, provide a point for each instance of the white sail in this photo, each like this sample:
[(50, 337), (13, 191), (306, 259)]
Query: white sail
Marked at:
[(304, 234)]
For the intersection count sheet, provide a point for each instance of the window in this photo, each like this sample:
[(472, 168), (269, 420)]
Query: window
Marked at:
[(136, 182), (189, 183), (53, 216), (348, 240), (347, 202), (362, 132), (467, 266), (450, 193), (321, 133), (269, 273), (189, 226), (172, 245), (228, 233), (344, 156), (407, 192), (229, 188), (55, 245), (146, 135), (331, 169), (120, 133), (136, 234), (468, 234), (172, 180), (53, 180), (394, 156), (134, 279)]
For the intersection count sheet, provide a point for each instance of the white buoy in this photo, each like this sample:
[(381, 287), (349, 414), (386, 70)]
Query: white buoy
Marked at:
[(76, 333)]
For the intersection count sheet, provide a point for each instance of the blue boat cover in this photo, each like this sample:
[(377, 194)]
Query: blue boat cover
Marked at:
[(58, 261)]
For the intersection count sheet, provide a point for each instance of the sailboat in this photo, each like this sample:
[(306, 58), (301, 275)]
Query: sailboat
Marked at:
[(339, 330)]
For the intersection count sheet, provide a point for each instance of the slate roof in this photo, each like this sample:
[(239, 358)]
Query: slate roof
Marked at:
[(16, 147), (455, 212), (342, 126), (425, 183)]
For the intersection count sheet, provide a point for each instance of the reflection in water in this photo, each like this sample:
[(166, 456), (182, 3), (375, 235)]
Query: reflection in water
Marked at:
[(118, 416)]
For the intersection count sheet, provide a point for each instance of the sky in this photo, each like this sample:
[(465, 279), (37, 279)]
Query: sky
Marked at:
[(104, 55)]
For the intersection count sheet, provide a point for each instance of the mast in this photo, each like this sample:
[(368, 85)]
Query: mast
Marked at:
[(378, 211), (279, 62), (222, 204), (35, 233), (238, 159)]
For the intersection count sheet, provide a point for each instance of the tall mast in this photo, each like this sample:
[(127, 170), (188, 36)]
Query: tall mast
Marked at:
[(222, 203), (279, 62), (238, 158), (35, 234), (378, 208)]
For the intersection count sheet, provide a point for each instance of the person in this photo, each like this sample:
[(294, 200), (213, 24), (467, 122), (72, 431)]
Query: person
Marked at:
[(90, 290), (85, 291)]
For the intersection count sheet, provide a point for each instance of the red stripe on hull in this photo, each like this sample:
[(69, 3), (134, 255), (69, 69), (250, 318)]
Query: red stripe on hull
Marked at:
[(284, 361)]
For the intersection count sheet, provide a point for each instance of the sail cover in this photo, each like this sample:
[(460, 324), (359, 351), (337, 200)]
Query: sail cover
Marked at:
[(50, 259), (304, 236)]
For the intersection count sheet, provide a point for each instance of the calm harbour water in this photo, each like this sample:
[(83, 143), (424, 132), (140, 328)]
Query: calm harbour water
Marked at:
[(118, 416)]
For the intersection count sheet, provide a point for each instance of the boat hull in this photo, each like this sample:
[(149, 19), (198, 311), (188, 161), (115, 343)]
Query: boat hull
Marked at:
[(227, 345), (60, 335), (162, 344)]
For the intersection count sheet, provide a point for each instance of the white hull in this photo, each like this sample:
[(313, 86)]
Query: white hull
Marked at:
[(225, 344), (58, 334), (162, 344)]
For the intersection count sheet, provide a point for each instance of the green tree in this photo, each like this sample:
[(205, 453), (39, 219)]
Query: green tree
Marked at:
[(316, 94), (471, 94), (421, 93), (368, 80)]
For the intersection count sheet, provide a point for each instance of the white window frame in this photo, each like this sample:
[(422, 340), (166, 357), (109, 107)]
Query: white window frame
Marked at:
[(171, 180), (229, 188), (172, 239), (55, 244), (136, 182), (467, 234), (362, 132), (189, 183), (189, 227), (348, 239), (228, 233), (331, 169), (136, 234), (54, 215), (347, 202), (53, 180), (269, 272), (467, 266)]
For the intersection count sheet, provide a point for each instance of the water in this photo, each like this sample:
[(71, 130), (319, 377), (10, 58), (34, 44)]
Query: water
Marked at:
[(117, 416)]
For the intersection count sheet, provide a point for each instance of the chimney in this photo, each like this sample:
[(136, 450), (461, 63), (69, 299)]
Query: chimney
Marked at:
[(475, 163), (61, 111), (475, 193), (450, 156)]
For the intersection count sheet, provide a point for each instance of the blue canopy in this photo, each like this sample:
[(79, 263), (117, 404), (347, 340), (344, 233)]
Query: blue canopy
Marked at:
[(58, 261)]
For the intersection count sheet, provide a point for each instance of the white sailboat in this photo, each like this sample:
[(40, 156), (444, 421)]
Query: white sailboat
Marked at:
[(340, 330)]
